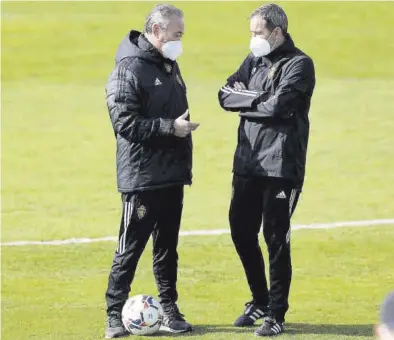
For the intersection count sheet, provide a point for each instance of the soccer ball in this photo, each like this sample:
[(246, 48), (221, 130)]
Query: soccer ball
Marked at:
[(142, 315)]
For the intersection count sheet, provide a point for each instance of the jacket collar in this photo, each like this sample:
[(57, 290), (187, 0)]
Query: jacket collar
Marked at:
[(287, 47)]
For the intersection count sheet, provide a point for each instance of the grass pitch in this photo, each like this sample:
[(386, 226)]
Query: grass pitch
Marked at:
[(58, 167)]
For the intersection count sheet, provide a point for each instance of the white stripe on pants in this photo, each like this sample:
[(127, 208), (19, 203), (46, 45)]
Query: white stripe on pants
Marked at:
[(128, 210)]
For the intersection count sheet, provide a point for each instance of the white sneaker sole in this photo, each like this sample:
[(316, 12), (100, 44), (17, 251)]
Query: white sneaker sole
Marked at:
[(170, 330)]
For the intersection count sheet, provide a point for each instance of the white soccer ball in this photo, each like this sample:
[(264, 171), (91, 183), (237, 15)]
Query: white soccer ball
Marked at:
[(142, 315)]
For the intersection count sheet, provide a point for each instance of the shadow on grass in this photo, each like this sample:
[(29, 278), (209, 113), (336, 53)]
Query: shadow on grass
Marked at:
[(350, 330), (291, 329)]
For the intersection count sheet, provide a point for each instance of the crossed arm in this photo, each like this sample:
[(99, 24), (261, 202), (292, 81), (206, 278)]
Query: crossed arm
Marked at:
[(296, 83)]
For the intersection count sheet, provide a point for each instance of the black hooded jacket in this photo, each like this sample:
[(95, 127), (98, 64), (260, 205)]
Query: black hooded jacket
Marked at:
[(145, 94), (274, 126)]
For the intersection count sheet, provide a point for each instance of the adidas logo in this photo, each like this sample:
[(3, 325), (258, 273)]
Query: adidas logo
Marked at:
[(276, 329), (158, 82), (281, 195)]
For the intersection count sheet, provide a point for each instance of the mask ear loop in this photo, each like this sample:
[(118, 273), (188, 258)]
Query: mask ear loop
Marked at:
[(273, 46)]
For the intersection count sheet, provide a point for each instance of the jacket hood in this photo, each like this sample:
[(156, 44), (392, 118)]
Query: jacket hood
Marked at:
[(136, 45)]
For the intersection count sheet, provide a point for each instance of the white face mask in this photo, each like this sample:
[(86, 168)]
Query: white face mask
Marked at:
[(260, 46), (172, 49)]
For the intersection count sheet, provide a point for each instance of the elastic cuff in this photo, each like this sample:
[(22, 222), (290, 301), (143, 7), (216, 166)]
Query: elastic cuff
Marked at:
[(166, 127)]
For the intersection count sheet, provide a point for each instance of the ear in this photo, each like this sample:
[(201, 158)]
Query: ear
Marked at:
[(155, 30), (278, 31)]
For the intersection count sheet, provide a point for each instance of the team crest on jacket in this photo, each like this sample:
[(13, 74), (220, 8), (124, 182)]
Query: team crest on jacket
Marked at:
[(168, 67), (141, 212), (271, 72)]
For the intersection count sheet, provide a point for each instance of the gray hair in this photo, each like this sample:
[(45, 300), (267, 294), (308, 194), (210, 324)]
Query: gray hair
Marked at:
[(161, 15), (274, 15)]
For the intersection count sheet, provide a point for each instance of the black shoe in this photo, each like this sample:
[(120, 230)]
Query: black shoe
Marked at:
[(173, 320), (252, 313), (115, 328), (270, 327)]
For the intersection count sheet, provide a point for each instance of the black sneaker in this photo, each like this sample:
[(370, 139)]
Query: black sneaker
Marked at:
[(115, 328), (252, 313), (173, 320), (270, 327)]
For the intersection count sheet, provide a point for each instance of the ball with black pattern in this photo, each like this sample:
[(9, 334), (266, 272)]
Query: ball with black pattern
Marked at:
[(142, 315)]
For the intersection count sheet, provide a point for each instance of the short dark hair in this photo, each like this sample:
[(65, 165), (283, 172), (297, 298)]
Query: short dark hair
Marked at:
[(274, 15), (161, 15)]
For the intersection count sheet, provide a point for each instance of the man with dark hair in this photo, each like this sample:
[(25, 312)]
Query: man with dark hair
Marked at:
[(147, 104), (272, 90)]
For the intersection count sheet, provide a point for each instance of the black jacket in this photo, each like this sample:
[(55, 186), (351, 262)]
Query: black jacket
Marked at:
[(274, 127), (145, 94)]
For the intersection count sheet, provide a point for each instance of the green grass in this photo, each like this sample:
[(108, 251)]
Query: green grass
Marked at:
[(58, 171), (336, 286)]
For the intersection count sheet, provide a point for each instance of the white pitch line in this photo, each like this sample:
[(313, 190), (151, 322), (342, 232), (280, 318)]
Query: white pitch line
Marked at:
[(201, 233)]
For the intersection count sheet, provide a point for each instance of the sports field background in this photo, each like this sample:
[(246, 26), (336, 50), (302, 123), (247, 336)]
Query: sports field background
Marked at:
[(58, 173)]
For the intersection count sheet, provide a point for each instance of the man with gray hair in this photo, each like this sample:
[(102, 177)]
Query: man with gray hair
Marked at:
[(272, 92), (385, 331), (147, 104)]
